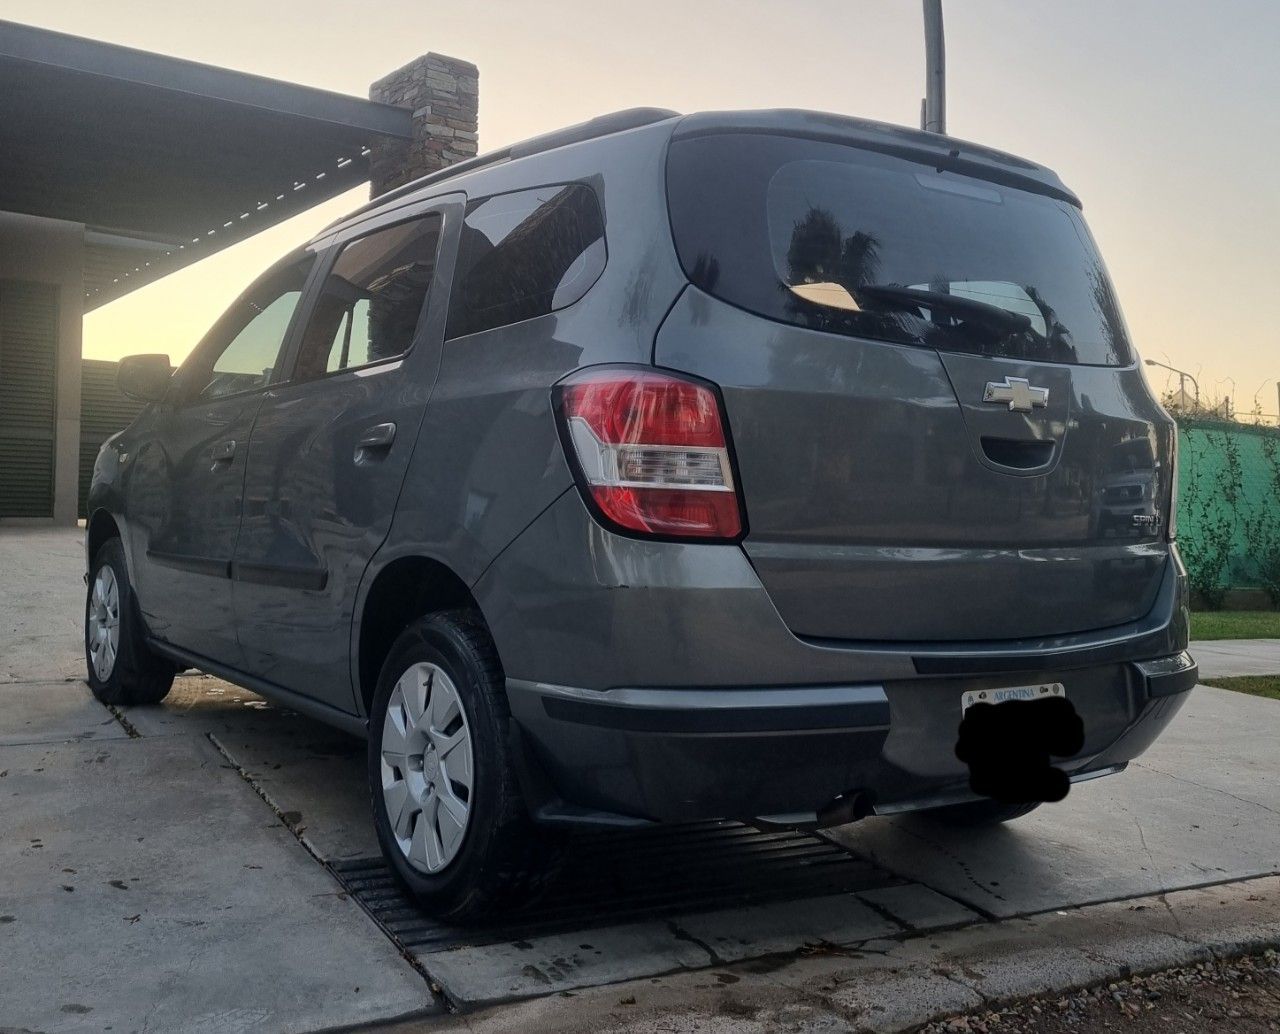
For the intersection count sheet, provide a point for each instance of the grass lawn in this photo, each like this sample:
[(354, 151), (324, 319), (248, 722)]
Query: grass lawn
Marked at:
[(1235, 624), (1254, 685)]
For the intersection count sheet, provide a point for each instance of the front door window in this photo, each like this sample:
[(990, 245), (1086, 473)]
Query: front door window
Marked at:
[(244, 347)]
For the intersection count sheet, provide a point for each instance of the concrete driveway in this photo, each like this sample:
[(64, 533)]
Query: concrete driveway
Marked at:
[(209, 864)]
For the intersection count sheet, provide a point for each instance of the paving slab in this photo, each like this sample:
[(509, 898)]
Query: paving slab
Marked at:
[(558, 963), (316, 779), (53, 712), (42, 613), (1224, 741), (147, 887), (916, 907), (786, 926), (1223, 658), (312, 774), (1202, 806)]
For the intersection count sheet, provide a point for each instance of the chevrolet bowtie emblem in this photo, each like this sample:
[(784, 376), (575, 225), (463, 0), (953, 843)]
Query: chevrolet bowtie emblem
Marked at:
[(1020, 393)]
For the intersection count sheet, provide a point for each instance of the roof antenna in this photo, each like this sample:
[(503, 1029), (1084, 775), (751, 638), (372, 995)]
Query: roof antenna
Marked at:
[(933, 109)]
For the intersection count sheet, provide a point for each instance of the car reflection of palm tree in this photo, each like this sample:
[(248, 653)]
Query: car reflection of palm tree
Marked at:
[(1056, 345), (1108, 308), (824, 270), (706, 272), (832, 284)]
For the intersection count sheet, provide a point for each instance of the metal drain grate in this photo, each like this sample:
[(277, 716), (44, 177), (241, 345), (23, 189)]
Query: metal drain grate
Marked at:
[(611, 878)]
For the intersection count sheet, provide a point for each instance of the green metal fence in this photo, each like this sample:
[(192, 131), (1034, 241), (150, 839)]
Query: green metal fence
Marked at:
[(1229, 506)]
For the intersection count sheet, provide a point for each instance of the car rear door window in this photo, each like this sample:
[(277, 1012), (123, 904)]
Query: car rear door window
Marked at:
[(372, 300), (524, 255)]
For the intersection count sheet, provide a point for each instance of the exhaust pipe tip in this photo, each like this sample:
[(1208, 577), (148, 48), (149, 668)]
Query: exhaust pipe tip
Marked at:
[(848, 807)]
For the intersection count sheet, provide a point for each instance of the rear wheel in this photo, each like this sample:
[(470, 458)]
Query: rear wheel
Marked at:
[(121, 668), (446, 802), (979, 813)]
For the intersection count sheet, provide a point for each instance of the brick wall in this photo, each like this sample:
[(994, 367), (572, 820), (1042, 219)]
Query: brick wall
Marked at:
[(443, 94)]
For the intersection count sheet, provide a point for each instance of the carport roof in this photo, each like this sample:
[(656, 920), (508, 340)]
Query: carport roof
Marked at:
[(164, 160)]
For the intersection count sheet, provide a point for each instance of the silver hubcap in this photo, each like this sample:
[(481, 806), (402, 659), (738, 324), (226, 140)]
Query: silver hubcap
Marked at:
[(427, 767), (103, 632)]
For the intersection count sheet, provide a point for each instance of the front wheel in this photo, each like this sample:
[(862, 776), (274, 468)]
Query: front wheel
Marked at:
[(121, 667), (976, 814), (446, 802)]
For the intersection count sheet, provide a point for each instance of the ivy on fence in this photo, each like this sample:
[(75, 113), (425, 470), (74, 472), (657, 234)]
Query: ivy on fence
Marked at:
[(1229, 508), (1262, 529)]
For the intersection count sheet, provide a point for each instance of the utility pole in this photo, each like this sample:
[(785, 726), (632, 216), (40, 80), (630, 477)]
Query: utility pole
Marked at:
[(1183, 377), (933, 109)]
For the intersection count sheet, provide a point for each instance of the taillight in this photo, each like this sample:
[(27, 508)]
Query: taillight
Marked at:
[(651, 452)]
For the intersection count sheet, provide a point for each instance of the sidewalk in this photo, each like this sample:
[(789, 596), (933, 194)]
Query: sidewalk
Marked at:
[(1224, 658)]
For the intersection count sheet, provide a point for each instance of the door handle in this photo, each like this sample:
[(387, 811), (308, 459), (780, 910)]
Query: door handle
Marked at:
[(377, 438), (224, 452)]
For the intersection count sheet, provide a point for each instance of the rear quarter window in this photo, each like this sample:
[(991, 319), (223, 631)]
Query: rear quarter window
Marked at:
[(524, 255)]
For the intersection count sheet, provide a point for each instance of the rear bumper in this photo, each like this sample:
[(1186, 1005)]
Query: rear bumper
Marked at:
[(800, 753), (777, 724)]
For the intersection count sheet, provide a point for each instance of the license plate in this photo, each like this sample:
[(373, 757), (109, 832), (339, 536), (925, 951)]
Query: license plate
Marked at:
[(1000, 696)]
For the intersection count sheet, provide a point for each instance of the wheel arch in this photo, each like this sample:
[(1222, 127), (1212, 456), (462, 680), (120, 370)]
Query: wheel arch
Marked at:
[(401, 591), (101, 527)]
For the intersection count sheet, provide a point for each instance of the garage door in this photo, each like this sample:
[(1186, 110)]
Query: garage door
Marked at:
[(28, 353)]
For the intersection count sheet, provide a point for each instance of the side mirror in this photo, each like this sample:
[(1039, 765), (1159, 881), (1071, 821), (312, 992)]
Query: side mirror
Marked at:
[(144, 377)]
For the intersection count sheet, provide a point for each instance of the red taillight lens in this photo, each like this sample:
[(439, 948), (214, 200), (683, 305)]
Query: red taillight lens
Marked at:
[(652, 452)]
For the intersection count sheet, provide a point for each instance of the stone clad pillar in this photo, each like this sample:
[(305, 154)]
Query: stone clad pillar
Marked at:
[(443, 94)]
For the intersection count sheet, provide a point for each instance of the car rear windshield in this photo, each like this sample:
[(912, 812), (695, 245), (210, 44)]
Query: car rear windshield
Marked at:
[(850, 241)]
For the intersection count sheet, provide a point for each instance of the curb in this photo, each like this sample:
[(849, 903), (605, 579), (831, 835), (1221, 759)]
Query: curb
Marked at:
[(886, 986)]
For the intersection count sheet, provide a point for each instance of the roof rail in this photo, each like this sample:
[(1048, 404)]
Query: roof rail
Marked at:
[(602, 125)]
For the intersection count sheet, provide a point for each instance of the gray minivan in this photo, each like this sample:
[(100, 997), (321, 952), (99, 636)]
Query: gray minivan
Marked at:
[(775, 466)]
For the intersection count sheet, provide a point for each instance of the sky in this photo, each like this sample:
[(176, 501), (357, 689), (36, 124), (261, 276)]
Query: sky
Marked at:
[(1162, 115)]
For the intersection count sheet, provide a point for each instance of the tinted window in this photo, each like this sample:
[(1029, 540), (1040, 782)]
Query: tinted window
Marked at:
[(369, 307), (525, 255), (243, 348), (853, 242)]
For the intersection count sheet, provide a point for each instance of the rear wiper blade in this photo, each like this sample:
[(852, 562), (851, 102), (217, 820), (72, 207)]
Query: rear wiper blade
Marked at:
[(993, 316)]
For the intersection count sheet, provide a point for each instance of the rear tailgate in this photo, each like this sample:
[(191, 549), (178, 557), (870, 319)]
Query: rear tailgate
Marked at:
[(897, 487)]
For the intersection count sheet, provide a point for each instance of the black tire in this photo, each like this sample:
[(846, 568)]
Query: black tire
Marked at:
[(503, 859), (136, 676), (975, 814)]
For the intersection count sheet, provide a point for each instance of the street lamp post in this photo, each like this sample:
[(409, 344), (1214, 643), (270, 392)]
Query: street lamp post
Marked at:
[(1182, 383), (933, 110)]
